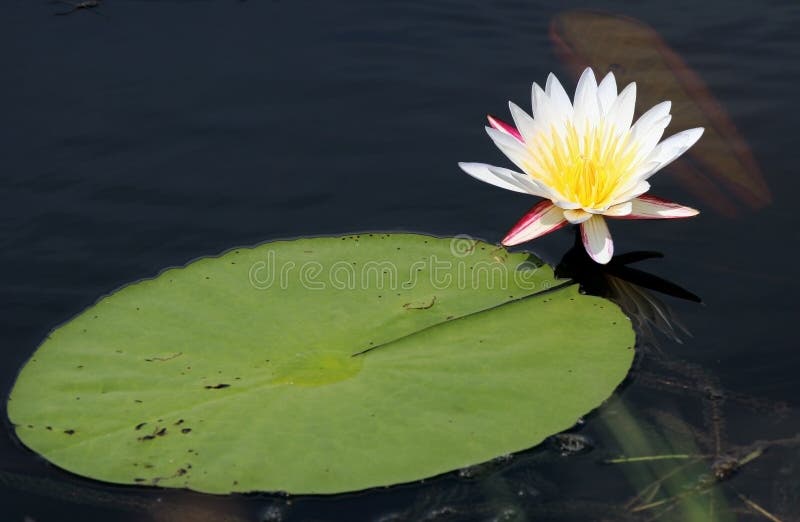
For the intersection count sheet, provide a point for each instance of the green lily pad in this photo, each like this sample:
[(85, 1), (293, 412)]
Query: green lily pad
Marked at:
[(320, 365)]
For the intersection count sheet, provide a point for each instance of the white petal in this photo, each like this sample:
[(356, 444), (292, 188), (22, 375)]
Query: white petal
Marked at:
[(510, 146), (534, 101), (597, 239), (564, 204), (607, 92), (577, 216), (630, 192), (540, 220), (521, 180), (650, 118), (558, 96), (523, 121), (548, 117), (619, 210), (587, 109), (482, 172), (670, 149), (621, 112), (645, 143), (651, 207)]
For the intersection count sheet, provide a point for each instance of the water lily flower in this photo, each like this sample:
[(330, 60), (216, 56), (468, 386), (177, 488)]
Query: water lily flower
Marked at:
[(586, 159)]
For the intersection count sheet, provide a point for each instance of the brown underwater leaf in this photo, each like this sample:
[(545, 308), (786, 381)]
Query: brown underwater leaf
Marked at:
[(721, 169)]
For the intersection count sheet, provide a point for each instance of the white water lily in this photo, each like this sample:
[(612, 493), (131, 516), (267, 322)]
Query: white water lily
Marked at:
[(586, 159)]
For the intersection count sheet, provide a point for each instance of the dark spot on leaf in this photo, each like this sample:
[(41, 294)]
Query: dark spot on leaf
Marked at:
[(186, 430), (420, 305), (217, 386), (140, 425), (179, 422), (69, 432), (162, 359), (139, 480)]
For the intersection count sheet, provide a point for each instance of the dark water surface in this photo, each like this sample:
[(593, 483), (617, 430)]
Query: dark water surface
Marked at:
[(146, 133)]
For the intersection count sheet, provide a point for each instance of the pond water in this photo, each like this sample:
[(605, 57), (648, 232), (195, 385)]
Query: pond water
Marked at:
[(142, 134)]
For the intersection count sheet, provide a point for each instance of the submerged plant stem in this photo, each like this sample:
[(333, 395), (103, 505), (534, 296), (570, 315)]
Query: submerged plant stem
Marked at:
[(649, 458)]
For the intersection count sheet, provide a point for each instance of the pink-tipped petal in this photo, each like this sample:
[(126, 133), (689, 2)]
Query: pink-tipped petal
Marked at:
[(651, 207), (504, 127), (597, 239), (542, 219)]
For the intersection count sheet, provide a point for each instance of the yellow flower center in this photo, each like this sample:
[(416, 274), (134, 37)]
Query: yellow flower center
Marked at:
[(585, 168)]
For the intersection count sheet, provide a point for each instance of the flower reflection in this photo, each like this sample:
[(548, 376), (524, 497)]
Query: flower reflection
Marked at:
[(633, 290)]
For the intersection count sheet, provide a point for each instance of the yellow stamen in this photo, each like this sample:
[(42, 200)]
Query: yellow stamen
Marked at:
[(587, 168)]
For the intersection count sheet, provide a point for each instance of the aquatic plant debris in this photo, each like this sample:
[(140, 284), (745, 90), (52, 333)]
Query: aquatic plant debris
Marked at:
[(585, 159), (320, 365)]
